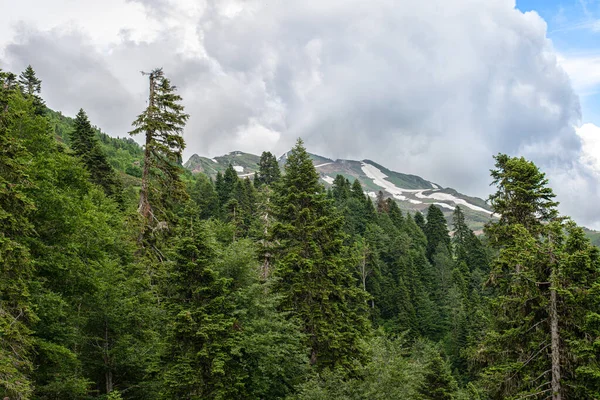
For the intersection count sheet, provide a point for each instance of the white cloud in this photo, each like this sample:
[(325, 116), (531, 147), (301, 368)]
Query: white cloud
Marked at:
[(584, 71), (590, 150), (433, 88)]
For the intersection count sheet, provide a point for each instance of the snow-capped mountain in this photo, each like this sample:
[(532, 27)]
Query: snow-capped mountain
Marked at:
[(411, 192)]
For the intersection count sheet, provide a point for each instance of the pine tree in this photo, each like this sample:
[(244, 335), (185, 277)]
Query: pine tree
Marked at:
[(530, 348), (340, 189), (201, 334), (420, 220), (268, 170), (32, 87), (436, 231), (357, 190), (468, 249), (225, 184), (523, 197), (203, 193), (162, 124), (311, 263), (30, 82), (85, 145), (439, 383), (16, 269)]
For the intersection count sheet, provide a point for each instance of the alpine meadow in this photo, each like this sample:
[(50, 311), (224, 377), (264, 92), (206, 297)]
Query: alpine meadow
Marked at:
[(124, 275)]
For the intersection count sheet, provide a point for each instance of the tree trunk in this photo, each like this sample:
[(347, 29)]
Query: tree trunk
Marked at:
[(107, 364), (555, 340), (144, 207)]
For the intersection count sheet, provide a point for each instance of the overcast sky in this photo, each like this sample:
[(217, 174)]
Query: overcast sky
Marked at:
[(430, 87)]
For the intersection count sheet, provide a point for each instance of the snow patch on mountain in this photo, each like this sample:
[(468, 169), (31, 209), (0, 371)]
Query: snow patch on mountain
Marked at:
[(238, 168), (213, 160), (378, 178), (322, 165), (327, 179), (456, 200), (448, 206)]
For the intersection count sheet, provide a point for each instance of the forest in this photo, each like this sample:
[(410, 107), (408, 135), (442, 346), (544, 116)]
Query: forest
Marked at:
[(124, 276)]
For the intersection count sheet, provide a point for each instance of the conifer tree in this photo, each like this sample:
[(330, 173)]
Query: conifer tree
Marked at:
[(436, 231), (439, 384), (268, 169), (32, 87), (225, 184), (357, 190), (162, 124), (29, 81), (16, 269), (530, 348), (523, 197), (201, 333), (340, 189), (311, 263), (85, 144), (468, 249), (420, 220)]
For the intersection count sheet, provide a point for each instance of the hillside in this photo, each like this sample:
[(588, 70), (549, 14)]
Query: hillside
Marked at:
[(411, 192)]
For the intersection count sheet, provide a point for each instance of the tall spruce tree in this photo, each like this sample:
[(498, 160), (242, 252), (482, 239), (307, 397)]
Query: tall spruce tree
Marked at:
[(313, 267), (16, 268), (32, 87), (436, 231), (86, 145), (530, 348), (268, 169), (29, 81), (162, 124)]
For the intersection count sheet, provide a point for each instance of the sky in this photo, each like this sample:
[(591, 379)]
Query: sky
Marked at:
[(433, 88)]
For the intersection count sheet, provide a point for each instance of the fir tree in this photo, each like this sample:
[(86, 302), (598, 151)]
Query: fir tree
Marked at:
[(16, 269), (29, 81), (314, 273), (85, 145), (530, 348), (162, 124), (439, 384), (32, 87), (523, 197), (201, 333), (268, 169), (436, 231)]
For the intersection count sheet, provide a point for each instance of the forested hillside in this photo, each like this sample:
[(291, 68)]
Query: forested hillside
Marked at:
[(123, 276)]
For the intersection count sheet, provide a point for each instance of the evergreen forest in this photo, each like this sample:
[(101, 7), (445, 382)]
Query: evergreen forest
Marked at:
[(124, 276)]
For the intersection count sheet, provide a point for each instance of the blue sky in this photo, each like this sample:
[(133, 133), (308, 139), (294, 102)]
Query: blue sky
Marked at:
[(574, 28)]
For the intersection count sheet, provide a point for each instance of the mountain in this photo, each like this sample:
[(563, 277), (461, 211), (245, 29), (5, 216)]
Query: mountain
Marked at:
[(411, 192), (244, 163)]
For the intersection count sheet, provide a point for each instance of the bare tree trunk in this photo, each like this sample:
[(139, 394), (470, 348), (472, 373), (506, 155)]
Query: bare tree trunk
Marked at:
[(555, 341), (144, 206)]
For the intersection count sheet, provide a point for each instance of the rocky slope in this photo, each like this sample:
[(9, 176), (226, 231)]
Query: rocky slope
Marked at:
[(412, 192)]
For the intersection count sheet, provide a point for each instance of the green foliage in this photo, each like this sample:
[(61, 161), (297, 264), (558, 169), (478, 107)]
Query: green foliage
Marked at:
[(312, 266), (523, 197), (162, 123), (265, 290), (85, 145), (436, 231), (16, 269), (268, 170)]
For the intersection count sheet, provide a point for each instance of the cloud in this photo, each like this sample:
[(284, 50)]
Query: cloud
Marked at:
[(432, 88), (584, 71)]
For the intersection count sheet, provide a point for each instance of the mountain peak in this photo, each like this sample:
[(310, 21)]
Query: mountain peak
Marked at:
[(411, 192)]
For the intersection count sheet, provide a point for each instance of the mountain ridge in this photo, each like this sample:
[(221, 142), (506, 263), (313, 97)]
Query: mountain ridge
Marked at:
[(412, 192)]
